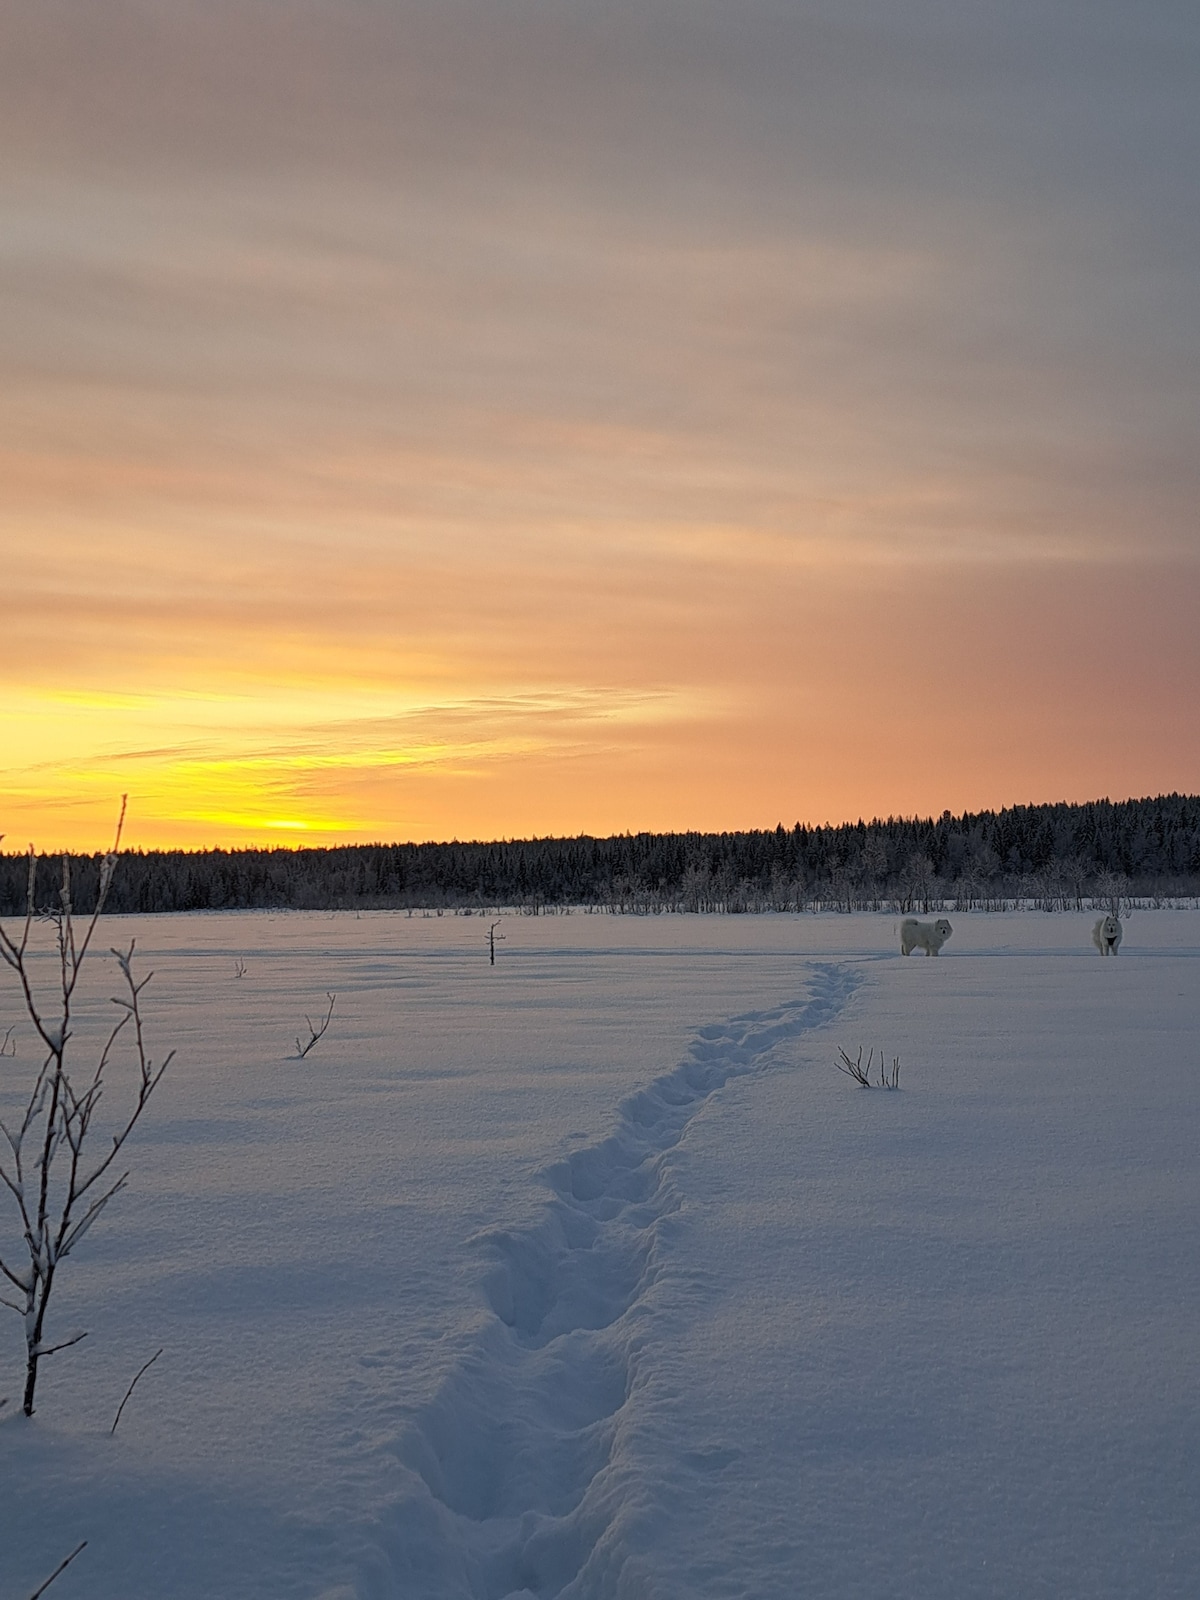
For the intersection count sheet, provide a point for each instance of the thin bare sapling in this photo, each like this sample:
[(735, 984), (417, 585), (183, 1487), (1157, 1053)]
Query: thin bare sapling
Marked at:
[(316, 1030), (60, 1178)]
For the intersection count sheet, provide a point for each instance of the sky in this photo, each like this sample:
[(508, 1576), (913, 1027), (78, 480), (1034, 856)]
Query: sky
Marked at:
[(494, 418)]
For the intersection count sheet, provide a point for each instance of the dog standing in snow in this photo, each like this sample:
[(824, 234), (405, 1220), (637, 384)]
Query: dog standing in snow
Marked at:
[(1106, 935), (927, 936)]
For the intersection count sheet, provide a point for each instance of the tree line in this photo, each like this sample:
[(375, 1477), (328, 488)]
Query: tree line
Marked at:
[(1056, 856)]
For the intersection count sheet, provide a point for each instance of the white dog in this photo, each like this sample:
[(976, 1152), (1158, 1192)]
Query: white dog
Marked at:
[(927, 936), (1106, 935)]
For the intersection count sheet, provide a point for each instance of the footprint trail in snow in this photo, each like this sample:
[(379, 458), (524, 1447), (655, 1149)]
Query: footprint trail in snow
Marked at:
[(524, 1466)]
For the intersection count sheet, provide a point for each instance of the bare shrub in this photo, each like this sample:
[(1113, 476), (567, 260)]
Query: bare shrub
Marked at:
[(852, 1066)]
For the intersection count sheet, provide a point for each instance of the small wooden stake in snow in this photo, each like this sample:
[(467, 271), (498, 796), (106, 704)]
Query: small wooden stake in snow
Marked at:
[(492, 940), (314, 1032), (62, 1567)]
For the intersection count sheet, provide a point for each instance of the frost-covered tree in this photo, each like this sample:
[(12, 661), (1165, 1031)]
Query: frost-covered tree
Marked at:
[(60, 1179)]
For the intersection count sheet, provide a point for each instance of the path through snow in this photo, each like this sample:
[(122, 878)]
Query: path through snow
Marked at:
[(520, 1480)]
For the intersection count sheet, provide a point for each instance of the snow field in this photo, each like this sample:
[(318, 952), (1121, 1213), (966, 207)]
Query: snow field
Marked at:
[(588, 1275), (965, 1364)]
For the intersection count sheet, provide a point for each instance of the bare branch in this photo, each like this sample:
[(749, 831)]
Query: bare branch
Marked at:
[(30, 885), (854, 1068), (61, 1568), (66, 930), (315, 1033), (132, 1387), (107, 868), (52, 1350), (70, 1235), (148, 1080)]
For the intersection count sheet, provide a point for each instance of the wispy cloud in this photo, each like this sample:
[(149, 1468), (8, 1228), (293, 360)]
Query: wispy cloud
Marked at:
[(437, 418)]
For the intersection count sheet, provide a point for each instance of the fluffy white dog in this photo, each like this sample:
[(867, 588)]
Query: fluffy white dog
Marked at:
[(927, 936), (1106, 935)]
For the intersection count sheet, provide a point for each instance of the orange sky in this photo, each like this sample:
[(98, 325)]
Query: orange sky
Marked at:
[(422, 425)]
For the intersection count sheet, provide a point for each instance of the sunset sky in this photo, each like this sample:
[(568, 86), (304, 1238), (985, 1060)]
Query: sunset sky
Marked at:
[(485, 418)]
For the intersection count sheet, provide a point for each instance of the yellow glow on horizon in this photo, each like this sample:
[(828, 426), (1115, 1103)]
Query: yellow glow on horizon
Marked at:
[(212, 768)]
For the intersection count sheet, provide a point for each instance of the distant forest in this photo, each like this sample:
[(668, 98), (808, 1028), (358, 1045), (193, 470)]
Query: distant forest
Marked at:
[(1057, 857)]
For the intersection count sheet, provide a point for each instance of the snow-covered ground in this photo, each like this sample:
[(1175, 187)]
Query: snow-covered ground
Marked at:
[(587, 1275)]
